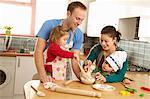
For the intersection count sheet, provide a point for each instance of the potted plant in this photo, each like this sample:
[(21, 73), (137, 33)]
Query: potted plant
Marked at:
[(8, 30)]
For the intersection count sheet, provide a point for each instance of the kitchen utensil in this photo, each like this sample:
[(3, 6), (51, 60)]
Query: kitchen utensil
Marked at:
[(39, 93), (131, 90), (124, 85), (75, 91), (7, 43), (57, 88)]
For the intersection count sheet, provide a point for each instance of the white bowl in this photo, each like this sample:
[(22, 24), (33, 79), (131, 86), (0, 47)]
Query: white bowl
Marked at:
[(103, 87)]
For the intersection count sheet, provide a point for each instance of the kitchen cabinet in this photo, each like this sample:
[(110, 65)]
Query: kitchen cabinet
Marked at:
[(25, 69), (144, 30), (129, 27), (99, 16), (134, 27)]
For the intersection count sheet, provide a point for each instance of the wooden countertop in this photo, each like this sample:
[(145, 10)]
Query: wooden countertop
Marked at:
[(140, 79), (14, 54)]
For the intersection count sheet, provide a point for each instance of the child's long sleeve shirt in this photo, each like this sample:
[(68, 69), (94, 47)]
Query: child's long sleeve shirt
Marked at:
[(55, 50)]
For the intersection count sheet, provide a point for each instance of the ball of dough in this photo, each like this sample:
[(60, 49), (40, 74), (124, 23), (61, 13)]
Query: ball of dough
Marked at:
[(87, 78)]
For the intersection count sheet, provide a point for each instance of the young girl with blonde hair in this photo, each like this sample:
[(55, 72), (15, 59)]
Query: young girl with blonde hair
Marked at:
[(57, 54)]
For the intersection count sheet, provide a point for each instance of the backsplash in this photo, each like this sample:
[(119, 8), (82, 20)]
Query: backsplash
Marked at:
[(18, 43), (138, 53)]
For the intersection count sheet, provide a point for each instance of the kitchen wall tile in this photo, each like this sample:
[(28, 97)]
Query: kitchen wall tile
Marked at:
[(141, 50), (138, 52), (141, 44), (146, 51), (147, 46), (18, 43)]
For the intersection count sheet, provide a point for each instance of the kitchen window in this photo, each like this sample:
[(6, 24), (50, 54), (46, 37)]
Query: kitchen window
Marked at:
[(49, 9), (19, 14), (27, 16)]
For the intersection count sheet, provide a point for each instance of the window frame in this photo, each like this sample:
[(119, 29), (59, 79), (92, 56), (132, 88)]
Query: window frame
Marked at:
[(31, 4)]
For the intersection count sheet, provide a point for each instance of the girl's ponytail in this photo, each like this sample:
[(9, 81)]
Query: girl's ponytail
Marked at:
[(118, 36)]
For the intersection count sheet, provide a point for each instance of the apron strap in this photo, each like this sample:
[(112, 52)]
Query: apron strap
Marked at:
[(72, 36)]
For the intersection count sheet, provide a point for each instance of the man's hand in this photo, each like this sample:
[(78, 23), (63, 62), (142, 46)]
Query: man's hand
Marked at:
[(45, 78)]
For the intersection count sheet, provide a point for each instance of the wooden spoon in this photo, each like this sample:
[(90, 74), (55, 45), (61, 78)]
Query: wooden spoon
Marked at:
[(39, 93)]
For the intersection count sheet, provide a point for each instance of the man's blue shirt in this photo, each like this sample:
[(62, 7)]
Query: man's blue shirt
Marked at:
[(48, 25)]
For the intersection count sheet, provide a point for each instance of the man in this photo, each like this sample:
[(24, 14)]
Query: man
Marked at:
[(75, 15)]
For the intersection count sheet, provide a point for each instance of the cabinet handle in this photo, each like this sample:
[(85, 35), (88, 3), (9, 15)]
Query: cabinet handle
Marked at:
[(18, 62)]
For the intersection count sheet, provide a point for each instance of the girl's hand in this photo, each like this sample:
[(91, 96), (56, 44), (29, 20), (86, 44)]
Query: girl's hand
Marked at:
[(87, 65), (100, 77)]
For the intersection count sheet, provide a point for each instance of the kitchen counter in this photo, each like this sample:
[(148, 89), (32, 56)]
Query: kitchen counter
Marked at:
[(140, 79), (14, 54)]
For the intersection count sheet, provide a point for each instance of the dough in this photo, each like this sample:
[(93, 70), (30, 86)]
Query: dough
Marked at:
[(86, 78)]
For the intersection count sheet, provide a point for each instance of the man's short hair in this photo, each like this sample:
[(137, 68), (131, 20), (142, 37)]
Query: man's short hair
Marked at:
[(74, 5)]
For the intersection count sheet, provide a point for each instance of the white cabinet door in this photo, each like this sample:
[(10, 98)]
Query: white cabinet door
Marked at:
[(25, 69), (144, 26), (99, 16)]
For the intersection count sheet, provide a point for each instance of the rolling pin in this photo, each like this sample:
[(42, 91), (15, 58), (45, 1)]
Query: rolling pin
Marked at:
[(75, 91), (69, 81)]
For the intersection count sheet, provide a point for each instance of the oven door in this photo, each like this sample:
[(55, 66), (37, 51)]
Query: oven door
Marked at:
[(4, 77)]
